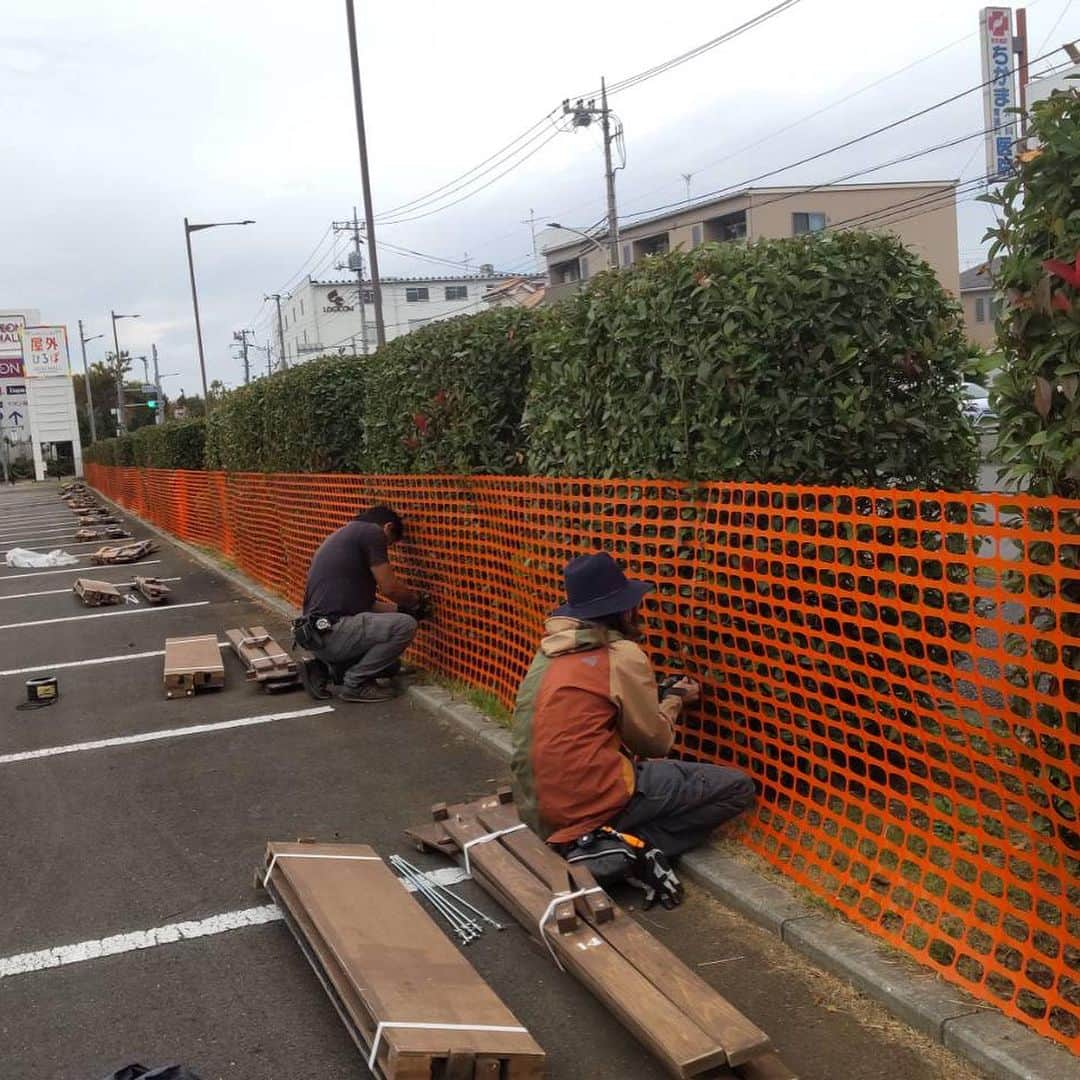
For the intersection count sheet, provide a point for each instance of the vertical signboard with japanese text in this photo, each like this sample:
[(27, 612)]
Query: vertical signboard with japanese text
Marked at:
[(50, 397), (45, 351), (999, 90)]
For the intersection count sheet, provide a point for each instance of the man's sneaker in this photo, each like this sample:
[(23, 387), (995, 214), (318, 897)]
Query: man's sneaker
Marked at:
[(369, 692), (315, 677)]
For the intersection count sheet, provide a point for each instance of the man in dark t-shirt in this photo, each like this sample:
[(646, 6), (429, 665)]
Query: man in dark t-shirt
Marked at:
[(346, 572)]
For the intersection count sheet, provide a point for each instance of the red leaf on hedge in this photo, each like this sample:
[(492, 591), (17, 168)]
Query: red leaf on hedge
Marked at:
[(421, 421), (1044, 394), (1063, 270), (440, 398), (1061, 302)]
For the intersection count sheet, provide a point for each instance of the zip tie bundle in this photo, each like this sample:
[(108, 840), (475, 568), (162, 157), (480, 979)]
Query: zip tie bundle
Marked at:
[(486, 838), (314, 855), (385, 1024), (556, 900)]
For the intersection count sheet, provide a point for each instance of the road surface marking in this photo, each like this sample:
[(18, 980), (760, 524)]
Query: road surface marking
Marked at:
[(37, 522), (77, 569), (43, 959), (58, 592), (105, 614), (59, 542), (92, 663), (44, 530), (156, 736)]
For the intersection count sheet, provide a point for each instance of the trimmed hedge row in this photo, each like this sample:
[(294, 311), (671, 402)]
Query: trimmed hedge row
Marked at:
[(829, 359), (177, 445)]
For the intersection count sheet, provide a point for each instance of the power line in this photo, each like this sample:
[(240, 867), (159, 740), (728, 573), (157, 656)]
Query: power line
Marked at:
[(833, 149)]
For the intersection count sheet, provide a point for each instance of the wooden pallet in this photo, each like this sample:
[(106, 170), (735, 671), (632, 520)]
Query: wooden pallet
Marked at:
[(153, 589), (383, 961), (124, 553), (97, 593), (192, 663), (103, 532), (264, 660), (691, 1028)]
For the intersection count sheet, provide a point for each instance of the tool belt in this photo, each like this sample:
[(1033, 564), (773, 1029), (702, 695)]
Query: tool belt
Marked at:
[(310, 631)]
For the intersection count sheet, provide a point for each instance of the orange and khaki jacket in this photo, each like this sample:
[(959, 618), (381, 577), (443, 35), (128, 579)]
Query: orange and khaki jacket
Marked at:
[(587, 707)]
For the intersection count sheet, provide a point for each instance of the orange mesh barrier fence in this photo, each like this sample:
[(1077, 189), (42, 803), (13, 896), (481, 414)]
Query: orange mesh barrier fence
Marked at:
[(900, 672)]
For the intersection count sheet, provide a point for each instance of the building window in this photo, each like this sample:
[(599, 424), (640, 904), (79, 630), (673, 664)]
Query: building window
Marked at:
[(368, 296), (294, 313), (995, 308), (563, 273), (627, 256), (285, 322), (650, 245), (305, 335), (416, 296), (584, 268), (980, 309), (301, 307), (725, 228), (457, 292), (807, 223), (696, 234)]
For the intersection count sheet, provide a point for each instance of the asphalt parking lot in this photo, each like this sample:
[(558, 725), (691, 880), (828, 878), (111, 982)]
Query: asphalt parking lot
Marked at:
[(107, 832)]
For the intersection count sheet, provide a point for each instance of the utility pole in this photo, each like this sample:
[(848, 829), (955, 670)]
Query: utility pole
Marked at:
[(159, 412), (356, 263), (276, 297), (583, 114), (242, 337), (83, 339), (369, 213), (1020, 48)]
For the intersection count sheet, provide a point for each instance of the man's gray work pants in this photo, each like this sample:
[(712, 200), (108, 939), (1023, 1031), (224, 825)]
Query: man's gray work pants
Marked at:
[(369, 643)]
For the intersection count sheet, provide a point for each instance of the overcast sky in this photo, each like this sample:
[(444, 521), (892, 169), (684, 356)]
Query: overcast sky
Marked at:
[(121, 117)]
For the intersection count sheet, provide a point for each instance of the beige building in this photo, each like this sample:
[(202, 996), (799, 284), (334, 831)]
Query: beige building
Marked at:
[(922, 215), (980, 305)]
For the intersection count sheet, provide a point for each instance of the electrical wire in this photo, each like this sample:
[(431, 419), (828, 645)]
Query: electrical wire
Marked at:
[(847, 143)]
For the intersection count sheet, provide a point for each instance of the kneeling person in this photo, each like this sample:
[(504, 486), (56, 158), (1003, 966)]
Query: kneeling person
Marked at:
[(365, 634), (590, 738)]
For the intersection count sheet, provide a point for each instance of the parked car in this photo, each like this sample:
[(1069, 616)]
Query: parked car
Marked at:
[(977, 405)]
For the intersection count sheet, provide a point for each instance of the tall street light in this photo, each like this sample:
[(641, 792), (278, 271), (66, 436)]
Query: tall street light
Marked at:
[(189, 228), (83, 339), (121, 426), (578, 232)]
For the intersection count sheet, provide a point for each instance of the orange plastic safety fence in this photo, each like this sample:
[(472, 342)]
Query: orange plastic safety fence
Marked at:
[(899, 671)]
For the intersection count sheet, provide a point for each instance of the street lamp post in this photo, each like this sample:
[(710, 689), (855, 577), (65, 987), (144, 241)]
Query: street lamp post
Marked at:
[(578, 232), (189, 228), (121, 426), (83, 339)]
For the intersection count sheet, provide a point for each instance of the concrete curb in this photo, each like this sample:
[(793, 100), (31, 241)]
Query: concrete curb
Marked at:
[(1002, 1048)]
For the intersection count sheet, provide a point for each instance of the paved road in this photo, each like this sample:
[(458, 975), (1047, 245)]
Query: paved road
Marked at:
[(137, 835)]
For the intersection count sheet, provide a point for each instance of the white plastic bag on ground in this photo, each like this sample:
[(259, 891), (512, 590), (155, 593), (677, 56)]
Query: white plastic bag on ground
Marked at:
[(25, 558)]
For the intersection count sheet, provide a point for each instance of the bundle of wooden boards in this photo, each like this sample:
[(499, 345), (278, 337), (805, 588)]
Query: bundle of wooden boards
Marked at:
[(410, 1001), (264, 660), (691, 1028), (103, 532), (153, 590), (124, 553), (97, 593), (192, 663)]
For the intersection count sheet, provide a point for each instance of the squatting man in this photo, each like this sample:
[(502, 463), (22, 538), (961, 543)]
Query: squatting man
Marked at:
[(357, 639)]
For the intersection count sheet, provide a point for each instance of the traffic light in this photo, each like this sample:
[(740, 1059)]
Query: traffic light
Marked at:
[(151, 404)]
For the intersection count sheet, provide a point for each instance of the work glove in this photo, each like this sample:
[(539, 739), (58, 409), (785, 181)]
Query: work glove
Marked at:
[(654, 875)]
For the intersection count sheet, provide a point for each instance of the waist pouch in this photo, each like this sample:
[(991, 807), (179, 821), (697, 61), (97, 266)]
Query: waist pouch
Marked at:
[(310, 631)]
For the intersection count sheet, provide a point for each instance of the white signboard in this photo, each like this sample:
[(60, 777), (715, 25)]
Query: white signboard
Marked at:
[(11, 346), (45, 351), (999, 92)]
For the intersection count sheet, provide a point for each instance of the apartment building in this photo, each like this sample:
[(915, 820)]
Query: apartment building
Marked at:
[(327, 315), (980, 305), (922, 215)]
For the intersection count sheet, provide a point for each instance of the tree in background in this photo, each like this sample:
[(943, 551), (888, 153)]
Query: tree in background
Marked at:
[(1037, 242), (103, 388)]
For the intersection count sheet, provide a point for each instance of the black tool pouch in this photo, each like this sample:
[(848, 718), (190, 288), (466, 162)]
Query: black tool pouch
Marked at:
[(305, 636)]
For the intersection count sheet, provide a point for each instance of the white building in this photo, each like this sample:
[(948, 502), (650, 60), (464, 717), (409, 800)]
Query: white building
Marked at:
[(324, 316)]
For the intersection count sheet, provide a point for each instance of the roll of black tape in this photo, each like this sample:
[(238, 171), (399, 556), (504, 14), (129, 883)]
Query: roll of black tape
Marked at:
[(41, 691)]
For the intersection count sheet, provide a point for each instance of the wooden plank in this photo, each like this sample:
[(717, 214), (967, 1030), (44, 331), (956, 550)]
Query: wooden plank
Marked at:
[(192, 663), (681, 1046), (153, 589), (264, 660), (123, 553), (393, 962), (97, 593), (713, 1013)]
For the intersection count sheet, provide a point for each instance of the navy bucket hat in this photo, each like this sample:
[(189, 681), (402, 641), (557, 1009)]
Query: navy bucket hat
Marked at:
[(596, 585)]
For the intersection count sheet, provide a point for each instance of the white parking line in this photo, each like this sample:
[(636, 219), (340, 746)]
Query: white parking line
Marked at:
[(104, 614), (156, 736), (68, 527), (24, 963), (58, 592), (37, 522), (74, 570), (51, 543), (91, 663)]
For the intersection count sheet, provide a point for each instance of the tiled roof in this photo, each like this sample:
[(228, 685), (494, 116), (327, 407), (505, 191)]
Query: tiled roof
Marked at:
[(977, 277)]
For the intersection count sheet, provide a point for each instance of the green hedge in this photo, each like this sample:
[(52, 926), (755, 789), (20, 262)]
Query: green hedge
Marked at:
[(449, 397), (176, 445), (307, 419), (832, 359)]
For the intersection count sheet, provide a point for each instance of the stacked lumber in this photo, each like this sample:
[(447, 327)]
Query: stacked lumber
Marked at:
[(97, 593), (410, 1001), (264, 660), (192, 663), (686, 1024), (103, 532), (153, 589), (124, 553)]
